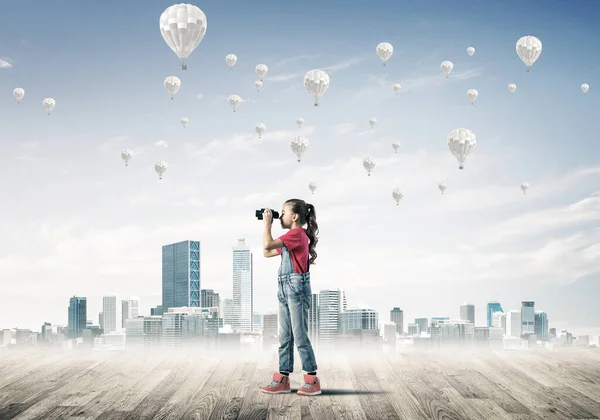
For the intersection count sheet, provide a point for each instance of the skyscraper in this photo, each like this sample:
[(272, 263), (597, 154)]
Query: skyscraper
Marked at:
[(397, 317), (332, 302), (77, 316), (527, 318), (467, 312), (541, 325), (109, 311), (129, 309), (492, 306), (243, 293), (181, 275)]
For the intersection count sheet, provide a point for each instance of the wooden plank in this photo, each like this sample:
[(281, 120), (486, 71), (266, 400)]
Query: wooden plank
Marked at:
[(339, 399), (24, 368), (256, 404)]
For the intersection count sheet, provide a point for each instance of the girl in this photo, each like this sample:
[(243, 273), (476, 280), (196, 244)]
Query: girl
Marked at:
[(297, 250)]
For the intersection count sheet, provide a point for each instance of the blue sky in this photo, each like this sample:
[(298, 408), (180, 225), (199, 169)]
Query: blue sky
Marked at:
[(97, 227)]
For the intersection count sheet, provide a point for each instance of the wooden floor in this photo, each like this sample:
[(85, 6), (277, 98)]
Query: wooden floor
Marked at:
[(54, 384)]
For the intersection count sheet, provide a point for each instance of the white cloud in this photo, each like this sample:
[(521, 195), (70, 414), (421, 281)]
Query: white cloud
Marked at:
[(161, 143), (200, 96), (283, 77), (294, 59), (343, 64), (5, 63)]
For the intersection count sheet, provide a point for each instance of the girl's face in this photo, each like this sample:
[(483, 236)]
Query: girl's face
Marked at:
[(287, 218)]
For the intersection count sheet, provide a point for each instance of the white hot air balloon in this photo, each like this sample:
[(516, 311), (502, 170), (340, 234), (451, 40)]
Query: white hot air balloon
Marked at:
[(172, 84), (49, 104), (184, 121), (372, 122), (312, 187), (126, 155), (461, 142), (160, 168), (369, 165), (396, 146), (182, 27), (19, 93), (316, 82), (260, 129), (397, 195), (396, 87), (258, 84), (524, 187), (472, 94), (231, 59), (585, 87), (446, 67), (299, 145), (384, 51), (234, 101), (529, 49), (442, 187), (261, 71), (299, 122), (512, 87), (471, 51)]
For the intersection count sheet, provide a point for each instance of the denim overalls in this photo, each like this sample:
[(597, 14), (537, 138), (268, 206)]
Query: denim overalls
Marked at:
[(294, 295)]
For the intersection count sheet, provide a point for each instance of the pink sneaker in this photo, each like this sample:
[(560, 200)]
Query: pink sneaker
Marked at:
[(280, 385), (312, 385)]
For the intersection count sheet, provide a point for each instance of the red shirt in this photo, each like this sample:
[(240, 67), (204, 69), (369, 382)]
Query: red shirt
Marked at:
[(296, 243)]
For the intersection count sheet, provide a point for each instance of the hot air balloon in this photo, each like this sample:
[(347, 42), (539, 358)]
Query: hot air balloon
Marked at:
[(312, 187), (234, 101), (182, 27), (396, 87), (172, 84), (231, 59), (472, 94), (397, 195), (160, 168), (372, 122), (261, 71), (471, 51), (184, 121), (316, 83), (396, 146), (126, 155), (258, 84), (299, 122), (446, 67), (299, 145), (260, 129), (461, 142), (529, 49), (369, 165), (512, 87), (585, 87), (442, 187), (524, 187), (384, 51), (49, 104), (19, 93)]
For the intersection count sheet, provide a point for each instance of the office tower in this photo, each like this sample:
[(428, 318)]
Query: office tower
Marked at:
[(313, 319), (492, 307), (77, 316), (158, 311), (513, 324), (397, 317), (242, 287), (129, 309), (109, 311), (228, 311), (271, 324), (209, 299), (332, 302), (101, 320), (181, 275), (527, 318), (467, 312), (541, 325)]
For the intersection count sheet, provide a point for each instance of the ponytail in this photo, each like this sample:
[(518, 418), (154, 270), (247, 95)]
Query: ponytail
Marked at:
[(306, 214)]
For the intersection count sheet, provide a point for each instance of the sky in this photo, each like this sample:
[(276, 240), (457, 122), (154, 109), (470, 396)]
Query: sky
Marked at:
[(76, 221)]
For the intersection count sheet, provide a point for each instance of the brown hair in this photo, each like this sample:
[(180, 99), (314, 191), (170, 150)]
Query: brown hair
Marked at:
[(306, 215)]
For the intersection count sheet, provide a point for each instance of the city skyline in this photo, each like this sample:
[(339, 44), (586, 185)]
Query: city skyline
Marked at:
[(78, 222)]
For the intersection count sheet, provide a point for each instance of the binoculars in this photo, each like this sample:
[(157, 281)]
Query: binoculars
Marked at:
[(259, 214)]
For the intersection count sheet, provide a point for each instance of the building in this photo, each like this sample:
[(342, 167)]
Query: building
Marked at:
[(243, 295), (332, 302), (541, 325), (527, 318), (181, 275), (209, 299), (397, 317), (513, 324), (467, 312), (492, 307), (129, 309), (77, 316), (109, 314)]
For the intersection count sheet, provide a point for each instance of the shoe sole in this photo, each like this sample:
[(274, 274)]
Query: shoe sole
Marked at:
[(285, 391), (309, 393)]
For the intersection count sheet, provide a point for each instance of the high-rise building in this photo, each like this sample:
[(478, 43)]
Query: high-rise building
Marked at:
[(423, 323), (77, 316), (492, 306), (397, 317), (467, 312), (181, 275), (541, 325), (209, 299), (109, 314), (313, 319), (129, 309), (527, 318), (513, 324), (243, 295), (332, 302)]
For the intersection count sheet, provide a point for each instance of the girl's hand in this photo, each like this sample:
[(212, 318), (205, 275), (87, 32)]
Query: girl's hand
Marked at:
[(267, 217)]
